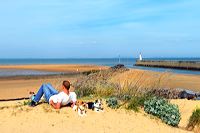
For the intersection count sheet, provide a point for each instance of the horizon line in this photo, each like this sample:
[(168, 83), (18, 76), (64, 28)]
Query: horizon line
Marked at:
[(102, 58)]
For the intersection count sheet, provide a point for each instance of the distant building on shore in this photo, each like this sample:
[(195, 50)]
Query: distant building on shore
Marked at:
[(140, 57)]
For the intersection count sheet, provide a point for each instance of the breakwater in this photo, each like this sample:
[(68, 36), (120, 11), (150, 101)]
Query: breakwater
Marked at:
[(187, 65)]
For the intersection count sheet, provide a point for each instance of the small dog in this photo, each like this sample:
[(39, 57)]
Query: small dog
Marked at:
[(96, 106), (80, 107)]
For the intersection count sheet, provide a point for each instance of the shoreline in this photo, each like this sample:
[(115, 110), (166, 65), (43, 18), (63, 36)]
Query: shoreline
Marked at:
[(28, 77), (41, 71)]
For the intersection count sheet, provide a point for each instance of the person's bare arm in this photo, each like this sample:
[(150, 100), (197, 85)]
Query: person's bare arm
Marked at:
[(55, 105)]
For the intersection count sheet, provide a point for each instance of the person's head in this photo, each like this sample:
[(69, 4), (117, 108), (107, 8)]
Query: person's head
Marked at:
[(66, 85)]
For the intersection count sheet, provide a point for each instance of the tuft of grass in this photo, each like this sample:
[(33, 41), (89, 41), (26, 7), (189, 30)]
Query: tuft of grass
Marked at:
[(137, 102), (26, 102), (90, 72), (104, 90), (84, 91), (194, 119), (133, 104), (96, 83)]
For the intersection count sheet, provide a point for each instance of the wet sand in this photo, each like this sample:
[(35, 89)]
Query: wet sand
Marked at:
[(56, 67), (20, 86)]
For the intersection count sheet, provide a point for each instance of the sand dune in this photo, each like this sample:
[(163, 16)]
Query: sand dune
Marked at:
[(43, 118), (150, 79), (186, 108)]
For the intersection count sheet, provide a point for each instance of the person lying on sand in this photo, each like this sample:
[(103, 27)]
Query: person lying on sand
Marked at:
[(55, 98)]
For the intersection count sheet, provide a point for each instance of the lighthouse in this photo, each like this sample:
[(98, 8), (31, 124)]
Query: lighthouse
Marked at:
[(140, 57)]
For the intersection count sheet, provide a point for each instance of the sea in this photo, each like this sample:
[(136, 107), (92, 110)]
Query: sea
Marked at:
[(128, 62)]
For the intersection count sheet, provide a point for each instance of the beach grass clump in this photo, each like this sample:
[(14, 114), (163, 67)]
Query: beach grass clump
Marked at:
[(161, 108), (105, 90), (26, 102), (125, 97), (112, 102), (90, 72), (84, 91), (96, 84), (194, 119), (136, 102), (99, 89)]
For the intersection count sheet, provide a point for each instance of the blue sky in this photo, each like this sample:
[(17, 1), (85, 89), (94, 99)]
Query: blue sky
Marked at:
[(99, 28)]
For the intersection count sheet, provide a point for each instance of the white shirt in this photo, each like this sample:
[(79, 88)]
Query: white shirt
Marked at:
[(63, 98)]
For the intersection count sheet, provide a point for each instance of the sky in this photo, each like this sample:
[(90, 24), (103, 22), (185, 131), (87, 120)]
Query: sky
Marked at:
[(99, 28)]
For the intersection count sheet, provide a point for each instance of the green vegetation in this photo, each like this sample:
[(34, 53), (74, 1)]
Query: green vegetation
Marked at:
[(161, 108), (113, 103), (194, 119), (26, 102), (97, 84), (131, 96), (137, 101), (134, 104), (90, 72)]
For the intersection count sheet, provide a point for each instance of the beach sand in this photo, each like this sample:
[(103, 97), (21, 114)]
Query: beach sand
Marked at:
[(20, 86), (15, 117), (44, 119), (55, 67)]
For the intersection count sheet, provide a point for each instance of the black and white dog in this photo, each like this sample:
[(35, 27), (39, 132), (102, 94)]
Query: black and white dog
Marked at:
[(96, 106)]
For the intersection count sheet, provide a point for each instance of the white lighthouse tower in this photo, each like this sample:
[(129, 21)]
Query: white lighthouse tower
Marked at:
[(140, 57)]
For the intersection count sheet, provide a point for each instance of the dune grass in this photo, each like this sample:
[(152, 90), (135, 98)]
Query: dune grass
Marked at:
[(130, 94), (194, 119), (138, 101)]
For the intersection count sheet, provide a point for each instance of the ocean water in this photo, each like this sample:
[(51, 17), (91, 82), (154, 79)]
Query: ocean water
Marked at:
[(128, 62)]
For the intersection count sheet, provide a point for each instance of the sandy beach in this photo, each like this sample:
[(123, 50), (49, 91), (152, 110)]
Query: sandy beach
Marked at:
[(20, 86), (14, 87), (18, 118), (44, 118), (141, 57), (55, 67)]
